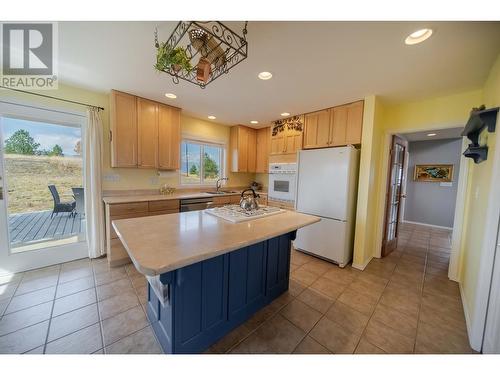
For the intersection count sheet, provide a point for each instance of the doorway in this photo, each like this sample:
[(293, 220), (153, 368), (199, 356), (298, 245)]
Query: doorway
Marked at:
[(42, 213)]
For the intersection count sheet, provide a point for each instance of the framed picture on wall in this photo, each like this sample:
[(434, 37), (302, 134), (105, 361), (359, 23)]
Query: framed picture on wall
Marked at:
[(433, 172)]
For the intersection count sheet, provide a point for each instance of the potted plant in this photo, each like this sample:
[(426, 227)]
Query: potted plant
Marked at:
[(172, 58)]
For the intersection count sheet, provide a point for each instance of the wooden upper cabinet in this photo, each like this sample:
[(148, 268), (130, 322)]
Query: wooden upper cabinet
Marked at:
[(243, 146), (278, 144), (338, 125), (169, 137), (293, 141), (354, 123), (123, 135), (317, 129), (262, 154), (147, 130)]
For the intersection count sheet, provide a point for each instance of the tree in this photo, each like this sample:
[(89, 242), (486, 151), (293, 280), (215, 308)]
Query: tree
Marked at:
[(78, 147), (56, 151), (193, 170), (21, 142), (210, 167)]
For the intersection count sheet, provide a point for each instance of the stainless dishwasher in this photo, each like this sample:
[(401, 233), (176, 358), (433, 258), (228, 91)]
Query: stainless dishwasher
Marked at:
[(196, 204)]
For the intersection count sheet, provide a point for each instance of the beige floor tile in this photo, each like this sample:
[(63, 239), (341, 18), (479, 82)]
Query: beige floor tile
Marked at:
[(404, 301), (84, 341), (141, 342), (113, 289), (30, 285), (299, 258), (13, 279), (139, 282), (444, 314), (316, 300), (74, 286), (25, 339), (364, 303), (75, 274), (261, 316), (404, 324), (438, 286), (310, 346), (432, 339), (275, 336), (365, 347), (387, 338), (123, 324), (301, 315), (24, 318), (347, 317), (38, 350), (417, 259), (303, 276), (37, 297), (334, 337), (142, 294), (76, 264), (74, 301), (402, 281), (380, 269), (110, 276), (318, 267), (65, 324), (132, 271), (367, 287), (442, 304), (42, 272), (3, 306), (295, 287), (341, 275), (332, 289), (117, 304), (7, 291)]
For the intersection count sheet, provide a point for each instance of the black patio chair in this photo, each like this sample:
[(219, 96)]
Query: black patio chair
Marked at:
[(58, 205)]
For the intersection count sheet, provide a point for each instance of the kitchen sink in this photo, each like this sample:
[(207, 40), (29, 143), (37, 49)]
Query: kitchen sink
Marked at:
[(221, 192)]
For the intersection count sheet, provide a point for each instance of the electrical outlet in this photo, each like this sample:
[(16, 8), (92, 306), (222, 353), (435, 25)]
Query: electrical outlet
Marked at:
[(111, 177)]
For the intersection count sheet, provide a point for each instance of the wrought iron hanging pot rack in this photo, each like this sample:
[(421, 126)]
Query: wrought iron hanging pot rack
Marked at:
[(206, 50)]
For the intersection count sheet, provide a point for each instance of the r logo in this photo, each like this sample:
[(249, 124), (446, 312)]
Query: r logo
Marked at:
[(27, 49)]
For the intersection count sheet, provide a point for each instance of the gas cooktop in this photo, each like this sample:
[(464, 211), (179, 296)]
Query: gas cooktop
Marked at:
[(235, 214)]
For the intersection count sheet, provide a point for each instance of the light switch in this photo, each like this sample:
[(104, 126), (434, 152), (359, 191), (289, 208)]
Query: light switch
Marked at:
[(446, 184)]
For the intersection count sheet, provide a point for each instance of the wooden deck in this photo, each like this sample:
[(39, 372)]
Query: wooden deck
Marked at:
[(34, 227)]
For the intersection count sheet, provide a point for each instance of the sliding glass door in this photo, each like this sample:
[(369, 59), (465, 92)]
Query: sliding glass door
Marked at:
[(42, 210)]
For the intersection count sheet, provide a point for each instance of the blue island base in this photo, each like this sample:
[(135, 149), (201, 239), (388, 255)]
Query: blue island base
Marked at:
[(206, 300)]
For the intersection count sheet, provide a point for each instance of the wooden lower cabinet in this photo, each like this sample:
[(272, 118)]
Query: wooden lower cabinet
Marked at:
[(116, 253)]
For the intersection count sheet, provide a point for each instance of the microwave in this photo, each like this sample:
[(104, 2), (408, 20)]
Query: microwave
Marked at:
[(282, 181)]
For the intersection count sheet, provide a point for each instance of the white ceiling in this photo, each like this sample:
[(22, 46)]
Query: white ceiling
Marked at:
[(451, 133), (314, 64)]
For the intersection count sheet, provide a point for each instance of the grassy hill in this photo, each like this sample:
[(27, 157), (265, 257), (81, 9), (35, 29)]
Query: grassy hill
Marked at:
[(27, 178)]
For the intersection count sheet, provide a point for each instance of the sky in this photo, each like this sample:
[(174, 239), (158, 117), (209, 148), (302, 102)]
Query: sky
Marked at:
[(48, 135)]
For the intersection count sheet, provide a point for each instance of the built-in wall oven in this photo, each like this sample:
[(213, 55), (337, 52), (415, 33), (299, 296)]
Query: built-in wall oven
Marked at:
[(282, 181)]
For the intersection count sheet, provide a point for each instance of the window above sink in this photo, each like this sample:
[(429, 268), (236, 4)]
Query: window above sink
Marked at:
[(202, 163)]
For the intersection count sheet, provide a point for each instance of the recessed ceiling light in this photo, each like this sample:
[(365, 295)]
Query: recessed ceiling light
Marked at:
[(431, 134), (285, 114), (265, 75), (170, 95), (212, 117), (254, 122), (418, 36)]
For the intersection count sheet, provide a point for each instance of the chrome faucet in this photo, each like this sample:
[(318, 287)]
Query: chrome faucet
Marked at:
[(219, 183)]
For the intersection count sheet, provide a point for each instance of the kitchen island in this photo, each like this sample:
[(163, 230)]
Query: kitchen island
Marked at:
[(206, 275)]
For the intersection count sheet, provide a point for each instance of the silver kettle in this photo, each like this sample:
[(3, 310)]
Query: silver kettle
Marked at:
[(249, 201)]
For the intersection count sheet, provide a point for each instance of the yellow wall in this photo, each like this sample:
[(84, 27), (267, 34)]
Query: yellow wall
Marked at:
[(478, 190), (389, 118), (130, 178)]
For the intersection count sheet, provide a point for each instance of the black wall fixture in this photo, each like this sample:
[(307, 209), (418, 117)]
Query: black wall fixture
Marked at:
[(479, 119)]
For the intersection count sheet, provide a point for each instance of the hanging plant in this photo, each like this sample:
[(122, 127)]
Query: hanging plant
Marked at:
[(172, 58)]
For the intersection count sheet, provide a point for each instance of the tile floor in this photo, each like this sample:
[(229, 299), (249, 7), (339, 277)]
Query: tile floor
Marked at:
[(403, 303)]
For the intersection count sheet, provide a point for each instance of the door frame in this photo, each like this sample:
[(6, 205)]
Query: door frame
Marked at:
[(454, 268), (402, 189), (18, 262)]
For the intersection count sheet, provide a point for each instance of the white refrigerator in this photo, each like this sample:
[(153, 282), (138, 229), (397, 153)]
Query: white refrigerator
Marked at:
[(327, 188)]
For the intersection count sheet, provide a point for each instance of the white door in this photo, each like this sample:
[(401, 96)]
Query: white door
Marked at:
[(323, 182), (39, 147)]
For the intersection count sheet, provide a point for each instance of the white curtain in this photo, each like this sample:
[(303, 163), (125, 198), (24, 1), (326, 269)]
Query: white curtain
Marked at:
[(93, 193)]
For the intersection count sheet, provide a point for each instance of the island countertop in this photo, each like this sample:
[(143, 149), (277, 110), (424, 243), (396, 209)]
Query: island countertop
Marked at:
[(163, 243)]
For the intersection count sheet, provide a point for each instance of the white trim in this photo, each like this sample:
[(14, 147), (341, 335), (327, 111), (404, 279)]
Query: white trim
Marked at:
[(459, 218), (467, 316), (362, 267), (426, 225), (487, 251)]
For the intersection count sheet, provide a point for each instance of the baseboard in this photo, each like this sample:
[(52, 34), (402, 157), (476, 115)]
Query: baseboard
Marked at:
[(426, 225), (361, 267), (468, 322)]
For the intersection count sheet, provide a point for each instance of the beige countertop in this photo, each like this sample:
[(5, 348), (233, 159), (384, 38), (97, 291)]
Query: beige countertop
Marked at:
[(158, 244), (114, 199)]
